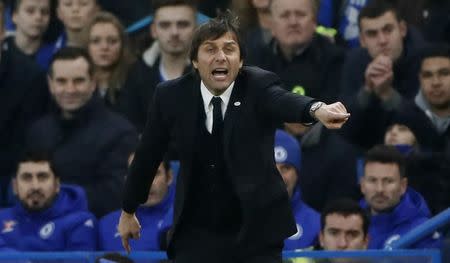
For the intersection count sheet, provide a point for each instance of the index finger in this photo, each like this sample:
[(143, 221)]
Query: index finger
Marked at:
[(126, 244)]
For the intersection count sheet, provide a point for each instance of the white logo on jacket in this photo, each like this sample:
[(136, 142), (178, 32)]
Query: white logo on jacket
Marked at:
[(390, 240), (8, 226), (297, 235), (47, 230), (280, 154)]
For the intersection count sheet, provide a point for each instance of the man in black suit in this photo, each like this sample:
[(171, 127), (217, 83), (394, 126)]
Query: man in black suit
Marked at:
[(231, 203)]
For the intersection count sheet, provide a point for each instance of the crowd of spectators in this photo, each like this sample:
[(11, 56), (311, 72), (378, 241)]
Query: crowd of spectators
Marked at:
[(75, 93)]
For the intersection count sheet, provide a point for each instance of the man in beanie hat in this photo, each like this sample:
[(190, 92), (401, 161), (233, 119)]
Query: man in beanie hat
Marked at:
[(287, 157)]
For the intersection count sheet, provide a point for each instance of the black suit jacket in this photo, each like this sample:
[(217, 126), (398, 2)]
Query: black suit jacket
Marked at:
[(257, 106)]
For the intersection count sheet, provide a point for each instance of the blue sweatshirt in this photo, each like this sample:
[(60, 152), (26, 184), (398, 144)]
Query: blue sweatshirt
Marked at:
[(412, 211), (154, 221), (307, 221), (66, 226)]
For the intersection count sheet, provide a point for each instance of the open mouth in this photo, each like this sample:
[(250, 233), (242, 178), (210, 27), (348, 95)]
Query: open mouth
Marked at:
[(220, 73)]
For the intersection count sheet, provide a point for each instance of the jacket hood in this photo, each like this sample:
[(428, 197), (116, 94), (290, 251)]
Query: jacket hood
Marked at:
[(71, 198)]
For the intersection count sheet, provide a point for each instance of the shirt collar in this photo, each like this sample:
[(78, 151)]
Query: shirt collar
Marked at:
[(207, 95)]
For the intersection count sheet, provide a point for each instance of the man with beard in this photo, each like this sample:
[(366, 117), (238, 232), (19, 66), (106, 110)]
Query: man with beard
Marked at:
[(395, 208), (51, 216)]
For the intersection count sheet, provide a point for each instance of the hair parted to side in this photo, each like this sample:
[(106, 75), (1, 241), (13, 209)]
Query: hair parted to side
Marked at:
[(386, 154), (376, 9), (345, 207), (71, 53), (225, 22)]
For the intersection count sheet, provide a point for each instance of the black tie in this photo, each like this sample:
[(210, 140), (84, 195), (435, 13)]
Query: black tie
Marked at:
[(217, 116)]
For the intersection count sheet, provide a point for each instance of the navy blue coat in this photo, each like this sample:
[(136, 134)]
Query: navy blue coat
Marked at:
[(90, 150)]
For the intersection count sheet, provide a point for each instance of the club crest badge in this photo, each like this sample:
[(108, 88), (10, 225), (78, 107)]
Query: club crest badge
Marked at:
[(47, 230)]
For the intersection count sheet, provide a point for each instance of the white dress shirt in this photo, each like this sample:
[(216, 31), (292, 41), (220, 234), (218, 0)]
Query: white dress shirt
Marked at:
[(207, 97)]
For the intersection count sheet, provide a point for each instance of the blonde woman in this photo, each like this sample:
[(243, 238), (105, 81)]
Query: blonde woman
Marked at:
[(108, 46)]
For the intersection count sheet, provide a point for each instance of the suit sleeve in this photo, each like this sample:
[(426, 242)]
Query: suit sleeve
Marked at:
[(148, 156), (285, 106)]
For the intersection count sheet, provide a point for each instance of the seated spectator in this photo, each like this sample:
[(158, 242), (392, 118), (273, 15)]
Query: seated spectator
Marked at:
[(31, 18), (287, 157), (306, 62), (24, 98), (108, 47), (154, 215), (90, 143), (399, 134), (75, 16), (48, 216), (427, 172), (173, 24), (381, 73), (345, 226), (395, 208), (428, 116)]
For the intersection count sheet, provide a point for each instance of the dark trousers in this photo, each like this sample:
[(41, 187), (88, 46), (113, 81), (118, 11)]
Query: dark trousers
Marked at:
[(201, 246)]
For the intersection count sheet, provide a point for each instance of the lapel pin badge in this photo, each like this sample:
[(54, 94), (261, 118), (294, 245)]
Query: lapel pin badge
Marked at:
[(237, 103)]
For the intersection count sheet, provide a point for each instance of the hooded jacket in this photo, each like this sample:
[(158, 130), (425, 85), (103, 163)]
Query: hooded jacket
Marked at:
[(155, 221), (66, 225), (388, 227), (307, 221)]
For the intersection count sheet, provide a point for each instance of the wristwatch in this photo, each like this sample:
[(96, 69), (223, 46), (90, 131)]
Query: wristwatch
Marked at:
[(314, 107)]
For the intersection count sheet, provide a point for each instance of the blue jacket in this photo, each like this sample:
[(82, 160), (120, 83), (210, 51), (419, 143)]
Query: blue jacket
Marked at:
[(66, 226), (307, 221), (155, 221), (412, 211)]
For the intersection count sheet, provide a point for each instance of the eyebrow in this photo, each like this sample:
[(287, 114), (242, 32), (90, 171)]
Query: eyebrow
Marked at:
[(210, 42)]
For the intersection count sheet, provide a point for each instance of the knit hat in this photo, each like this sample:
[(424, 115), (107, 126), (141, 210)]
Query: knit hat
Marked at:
[(287, 149)]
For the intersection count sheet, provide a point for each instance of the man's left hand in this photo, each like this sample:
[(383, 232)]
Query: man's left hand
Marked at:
[(332, 116)]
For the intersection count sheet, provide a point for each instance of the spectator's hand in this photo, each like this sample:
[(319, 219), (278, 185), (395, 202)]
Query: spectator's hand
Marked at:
[(332, 116), (129, 227), (379, 76)]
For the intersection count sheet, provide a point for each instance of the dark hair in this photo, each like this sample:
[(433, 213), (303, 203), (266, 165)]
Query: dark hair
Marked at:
[(386, 154), (377, 8), (113, 257), (345, 207), (37, 157), (215, 28), (71, 53), (435, 50), (157, 4)]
